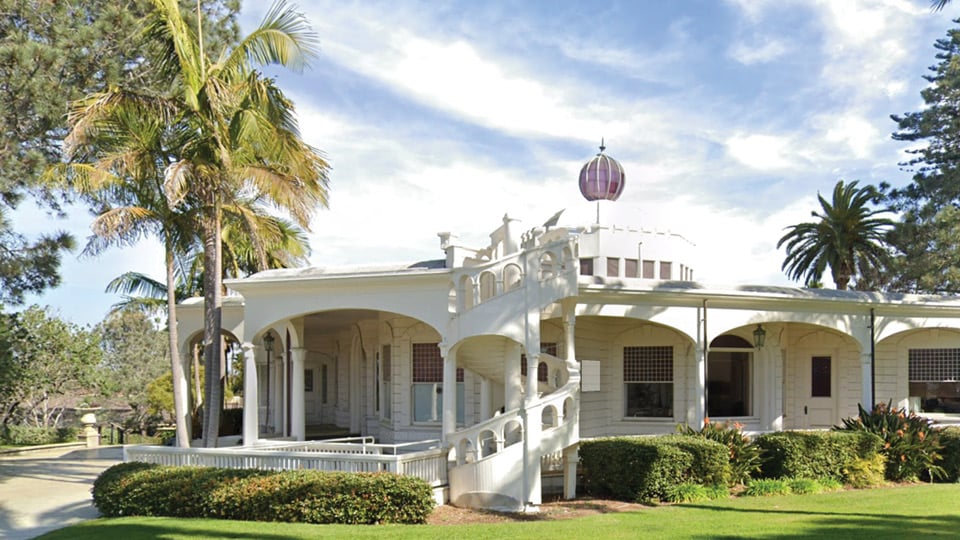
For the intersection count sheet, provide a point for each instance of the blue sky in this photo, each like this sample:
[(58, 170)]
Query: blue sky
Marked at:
[(728, 116)]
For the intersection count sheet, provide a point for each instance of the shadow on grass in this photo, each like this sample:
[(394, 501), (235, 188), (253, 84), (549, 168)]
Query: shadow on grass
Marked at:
[(844, 524), (112, 529)]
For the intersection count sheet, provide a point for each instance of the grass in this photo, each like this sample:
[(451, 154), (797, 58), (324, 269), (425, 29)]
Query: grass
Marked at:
[(915, 511)]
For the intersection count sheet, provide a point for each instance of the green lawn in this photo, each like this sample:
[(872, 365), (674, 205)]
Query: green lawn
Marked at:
[(918, 511)]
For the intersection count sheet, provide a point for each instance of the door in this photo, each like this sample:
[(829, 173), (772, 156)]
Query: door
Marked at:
[(817, 403)]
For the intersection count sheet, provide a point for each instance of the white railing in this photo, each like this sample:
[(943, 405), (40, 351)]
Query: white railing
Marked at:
[(429, 464)]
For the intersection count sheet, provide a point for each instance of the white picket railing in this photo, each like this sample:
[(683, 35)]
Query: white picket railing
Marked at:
[(429, 464)]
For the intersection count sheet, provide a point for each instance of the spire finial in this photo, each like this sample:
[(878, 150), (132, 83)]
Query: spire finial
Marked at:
[(602, 147)]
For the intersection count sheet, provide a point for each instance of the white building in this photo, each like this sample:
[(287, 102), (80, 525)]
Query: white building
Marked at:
[(513, 352)]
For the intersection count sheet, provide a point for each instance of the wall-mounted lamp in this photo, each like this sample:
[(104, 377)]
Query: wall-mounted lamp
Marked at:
[(268, 346), (759, 337)]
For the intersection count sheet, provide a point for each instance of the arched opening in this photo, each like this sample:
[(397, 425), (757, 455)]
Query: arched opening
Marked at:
[(548, 266), (729, 377), (488, 286), (512, 433), (466, 293), (548, 418), (488, 443), (512, 277)]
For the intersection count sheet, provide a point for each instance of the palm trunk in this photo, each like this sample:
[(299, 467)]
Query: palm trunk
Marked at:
[(181, 407), (211, 328)]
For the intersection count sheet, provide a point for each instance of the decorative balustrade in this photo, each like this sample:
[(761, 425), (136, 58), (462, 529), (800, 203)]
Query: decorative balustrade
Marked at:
[(430, 463)]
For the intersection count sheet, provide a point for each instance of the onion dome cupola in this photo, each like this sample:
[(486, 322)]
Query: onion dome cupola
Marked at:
[(602, 178)]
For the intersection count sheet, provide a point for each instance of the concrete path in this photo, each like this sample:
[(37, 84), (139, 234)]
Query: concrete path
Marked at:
[(49, 489)]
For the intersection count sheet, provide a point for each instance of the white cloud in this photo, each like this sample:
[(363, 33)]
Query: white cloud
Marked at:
[(761, 152), (758, 52)]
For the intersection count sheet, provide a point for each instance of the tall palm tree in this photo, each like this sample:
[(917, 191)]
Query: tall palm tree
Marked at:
[(244, 139), (119, 151), (848, 237)]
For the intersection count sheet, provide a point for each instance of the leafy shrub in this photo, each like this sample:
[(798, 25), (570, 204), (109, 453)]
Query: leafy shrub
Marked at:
[(830, 484), (645, 468), (950, 463), (814, 454), (910, 443), (865, 472), (17, 435), (804, 486), (248, 494), (688, 492), (764, 487), (745, 457)]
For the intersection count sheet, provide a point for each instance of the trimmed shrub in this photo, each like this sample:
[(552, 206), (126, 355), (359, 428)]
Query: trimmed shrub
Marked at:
[(814, 454), (745, 457), (17, 435), (255, 495), (644, 468), (950, 453), (910, 443)]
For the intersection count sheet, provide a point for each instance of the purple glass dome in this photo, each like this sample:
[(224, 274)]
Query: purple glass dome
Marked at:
[(602, 178)]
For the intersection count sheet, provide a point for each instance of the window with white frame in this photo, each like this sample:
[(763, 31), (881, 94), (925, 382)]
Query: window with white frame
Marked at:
[(934, 376), (427, 391), (648, 381)]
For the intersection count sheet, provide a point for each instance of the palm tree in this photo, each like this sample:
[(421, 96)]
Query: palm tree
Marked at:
[(848, 237), (244, 140), (120, 149)]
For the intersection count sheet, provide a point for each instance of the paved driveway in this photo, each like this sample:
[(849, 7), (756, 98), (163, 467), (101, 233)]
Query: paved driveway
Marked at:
[(46, 490)]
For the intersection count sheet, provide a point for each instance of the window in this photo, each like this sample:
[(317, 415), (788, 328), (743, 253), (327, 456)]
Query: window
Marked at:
[(386, 403), (586, 267), (549, 348), (428, 384), (308, 380), (666, 269), (613, 267), (934, 376), (648, 381), (648, 267), (630, 268), (728, 376), (820, 376)]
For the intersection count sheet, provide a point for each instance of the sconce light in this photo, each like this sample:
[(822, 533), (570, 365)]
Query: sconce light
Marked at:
[(759, 337)]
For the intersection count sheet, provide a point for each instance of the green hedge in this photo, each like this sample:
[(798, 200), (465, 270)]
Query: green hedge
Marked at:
[(950, 454), (815, 454), (649, 468), (17, 435), (139, 489)]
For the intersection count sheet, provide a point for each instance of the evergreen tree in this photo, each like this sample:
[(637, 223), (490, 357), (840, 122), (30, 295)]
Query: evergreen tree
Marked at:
[(52, 53), (928, 252)]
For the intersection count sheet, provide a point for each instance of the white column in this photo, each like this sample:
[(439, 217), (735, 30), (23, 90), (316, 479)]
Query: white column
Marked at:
[(298, 427), (700, 376), (251, 404), (276, 394), (570, 459), (570, 455), (512, 394), (485, 398), (866, 368), (533, 361), (449, 400)]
